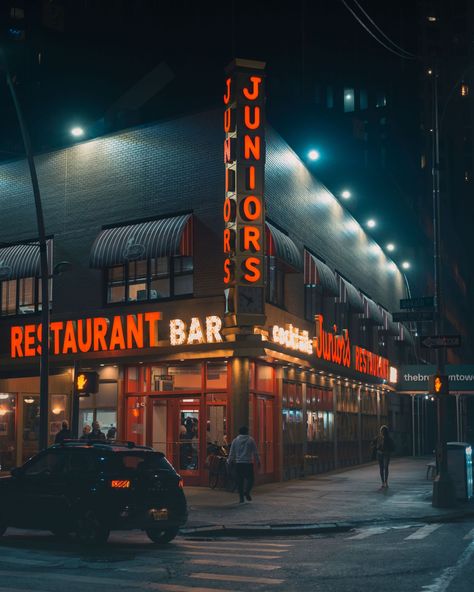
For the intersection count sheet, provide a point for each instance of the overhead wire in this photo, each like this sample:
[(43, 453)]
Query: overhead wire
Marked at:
[(372, 34), (361, 8)]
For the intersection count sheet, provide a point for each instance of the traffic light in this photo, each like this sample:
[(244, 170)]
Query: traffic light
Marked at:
[(86, 383), (439, 384)]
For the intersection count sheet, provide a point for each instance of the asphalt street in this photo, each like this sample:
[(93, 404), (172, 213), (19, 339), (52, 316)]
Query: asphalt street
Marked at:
[(437, 557)]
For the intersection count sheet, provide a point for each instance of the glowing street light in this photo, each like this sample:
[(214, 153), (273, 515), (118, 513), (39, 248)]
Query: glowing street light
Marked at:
[(371, 223), (77, 131), (390, 247), (346, 194), (406, 265), (314, 154)]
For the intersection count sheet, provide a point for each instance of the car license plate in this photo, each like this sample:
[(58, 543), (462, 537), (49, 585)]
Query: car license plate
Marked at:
[(161, 514)]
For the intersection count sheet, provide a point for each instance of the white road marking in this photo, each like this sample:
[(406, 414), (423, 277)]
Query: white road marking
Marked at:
[(245, 544), (368, 532), (423, 532), (226, 554), (231, 578), (181, 588), (229, 563), (230, 550), (469, 535), (442, 583)]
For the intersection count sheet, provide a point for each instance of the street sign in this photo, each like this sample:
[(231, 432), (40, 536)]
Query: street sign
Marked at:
[(421, 302), (442, 341), (413, 316)]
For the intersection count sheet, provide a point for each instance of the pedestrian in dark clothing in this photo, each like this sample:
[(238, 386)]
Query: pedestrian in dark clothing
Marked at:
[(96, 433), (112, 433), (242, 450), (384, 447), (86, 432), (63, 434)]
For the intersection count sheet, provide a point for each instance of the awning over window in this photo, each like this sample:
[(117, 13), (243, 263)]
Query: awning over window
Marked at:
[(389, 325), (352, 296), (20, 261), (146, 240), (372, 312), (406, 336), (280, 245), (317, 273)]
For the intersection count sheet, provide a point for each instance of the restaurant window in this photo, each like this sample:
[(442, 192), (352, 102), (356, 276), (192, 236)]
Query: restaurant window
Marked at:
[(150, 279), (275, 286), (21, 296), (349, 102)]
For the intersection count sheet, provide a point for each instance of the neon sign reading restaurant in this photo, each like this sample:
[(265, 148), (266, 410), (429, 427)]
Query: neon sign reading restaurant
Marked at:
[(332, 347), (117, 333)]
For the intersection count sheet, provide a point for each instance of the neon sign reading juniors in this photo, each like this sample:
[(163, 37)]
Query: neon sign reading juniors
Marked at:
[(332, 347), (244, 157)]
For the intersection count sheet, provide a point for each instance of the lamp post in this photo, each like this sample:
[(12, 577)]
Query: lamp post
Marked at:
[(443, 487), (44, 358)]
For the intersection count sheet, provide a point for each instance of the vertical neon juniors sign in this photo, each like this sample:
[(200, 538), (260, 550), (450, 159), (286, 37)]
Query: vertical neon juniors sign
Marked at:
[(244, 159)]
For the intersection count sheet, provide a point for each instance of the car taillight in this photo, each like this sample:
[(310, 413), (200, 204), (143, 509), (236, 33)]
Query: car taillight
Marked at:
[(181, 484), (120, 484)]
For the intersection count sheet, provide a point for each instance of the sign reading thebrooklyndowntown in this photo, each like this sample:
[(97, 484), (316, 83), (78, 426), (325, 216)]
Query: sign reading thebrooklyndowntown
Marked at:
[(415, 378), (334, 348), (244, 160), (117, 333)]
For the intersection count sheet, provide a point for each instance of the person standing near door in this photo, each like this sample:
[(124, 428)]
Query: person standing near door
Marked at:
[(242, 451)]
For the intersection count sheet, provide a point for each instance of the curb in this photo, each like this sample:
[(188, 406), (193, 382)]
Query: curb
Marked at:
[(249, 530)]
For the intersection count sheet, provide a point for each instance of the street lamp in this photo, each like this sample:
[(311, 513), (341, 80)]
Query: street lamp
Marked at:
[(406, 265), (390, 247), (77, 131), (44, 357), (314, 154), (371, 223), (346, 194)]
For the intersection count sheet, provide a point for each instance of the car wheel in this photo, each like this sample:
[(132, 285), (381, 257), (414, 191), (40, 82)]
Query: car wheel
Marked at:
[(162, 535), (90, 530)]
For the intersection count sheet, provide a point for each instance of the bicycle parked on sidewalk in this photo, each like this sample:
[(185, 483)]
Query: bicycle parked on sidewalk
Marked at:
[(220, 473)]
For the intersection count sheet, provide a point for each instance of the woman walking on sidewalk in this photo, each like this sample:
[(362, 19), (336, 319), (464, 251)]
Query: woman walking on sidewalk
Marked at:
[(384, 447)]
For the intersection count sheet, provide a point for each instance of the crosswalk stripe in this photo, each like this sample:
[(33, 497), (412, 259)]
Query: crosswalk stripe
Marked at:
[(229, 563), (231, 578), (368, 532), (469, 535), (423, 532), (229, 542), (226, 554), (181, 588), (219, 548)]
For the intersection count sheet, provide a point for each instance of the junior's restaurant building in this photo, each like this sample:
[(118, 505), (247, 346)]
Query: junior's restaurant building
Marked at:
[(206, 292)]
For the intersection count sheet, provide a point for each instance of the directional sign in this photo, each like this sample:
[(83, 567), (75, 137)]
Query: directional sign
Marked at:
[(421, 302), (442, 341), (413, 316)]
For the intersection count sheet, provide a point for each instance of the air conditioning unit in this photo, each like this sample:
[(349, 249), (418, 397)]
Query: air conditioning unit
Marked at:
[(141, 295), (164, 385)]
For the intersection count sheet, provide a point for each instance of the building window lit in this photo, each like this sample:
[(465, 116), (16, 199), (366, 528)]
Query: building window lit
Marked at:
[(363, 99), (423, 161), (349, 101), (275, 284), (432, 19), (20, 296), (464, 89), (466, 176), (150, 279)]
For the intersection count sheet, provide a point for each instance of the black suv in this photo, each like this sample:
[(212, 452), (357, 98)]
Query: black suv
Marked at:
[(91, 488)]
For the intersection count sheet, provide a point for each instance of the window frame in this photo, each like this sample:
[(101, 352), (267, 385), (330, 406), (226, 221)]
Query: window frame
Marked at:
[(36, 300), (128, 280)]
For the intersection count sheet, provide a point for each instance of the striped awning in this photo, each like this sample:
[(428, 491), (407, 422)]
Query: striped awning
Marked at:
[(317, 273), (406, 336), (352, 296), (158, 238), (20, 261), (280, 245), (372, 312), (389, 325)]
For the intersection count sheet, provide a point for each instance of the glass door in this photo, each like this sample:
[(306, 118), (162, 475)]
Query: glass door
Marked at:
[(29, 432), (264, 435)]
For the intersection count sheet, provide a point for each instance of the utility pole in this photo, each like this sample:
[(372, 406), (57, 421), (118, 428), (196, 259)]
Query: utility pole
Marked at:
[(44, 358), (443, 487)]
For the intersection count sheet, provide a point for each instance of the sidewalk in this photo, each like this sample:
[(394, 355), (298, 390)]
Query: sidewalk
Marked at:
[(332, 501)]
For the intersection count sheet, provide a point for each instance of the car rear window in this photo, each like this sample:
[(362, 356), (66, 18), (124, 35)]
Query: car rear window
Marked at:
[(138, 461)]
